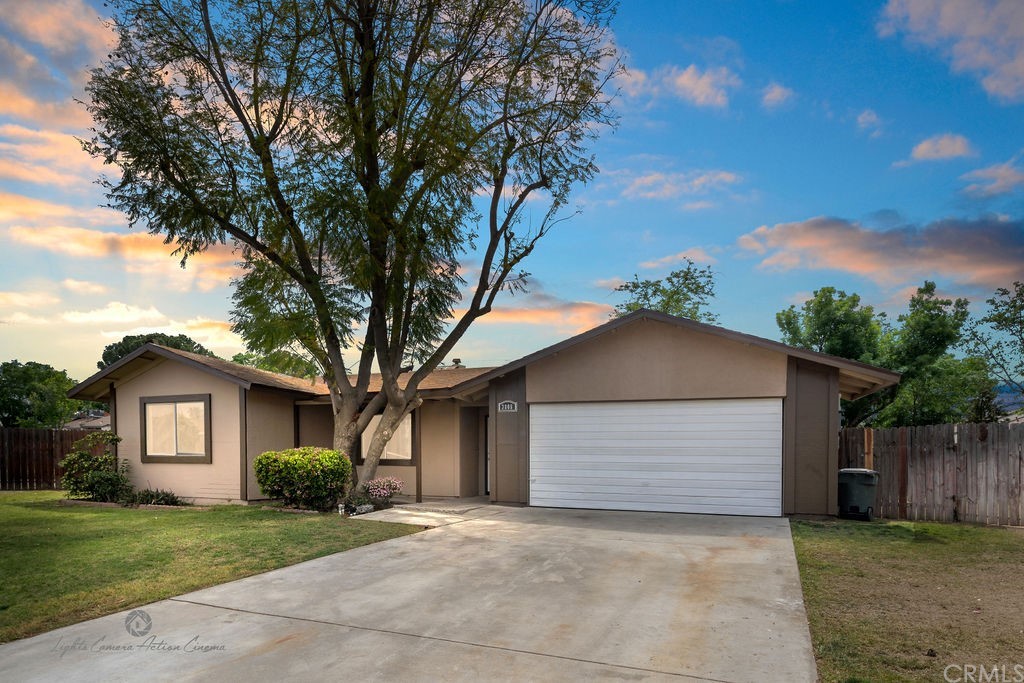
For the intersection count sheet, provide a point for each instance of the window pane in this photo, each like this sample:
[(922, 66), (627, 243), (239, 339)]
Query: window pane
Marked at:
[(400, 446), (160, 429), (191, 429)]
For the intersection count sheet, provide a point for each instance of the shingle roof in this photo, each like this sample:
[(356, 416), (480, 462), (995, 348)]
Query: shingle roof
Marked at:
[(97, 386)]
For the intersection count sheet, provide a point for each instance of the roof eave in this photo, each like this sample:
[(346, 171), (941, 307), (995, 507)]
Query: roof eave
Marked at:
[(82, 388)]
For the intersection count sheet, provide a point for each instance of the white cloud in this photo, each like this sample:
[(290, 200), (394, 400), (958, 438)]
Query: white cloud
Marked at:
[(869, 122), (27, 299), (981, 37), (994, 180), (83, 286), (940, 148), (669, 185), (115, 312), (703, 88), (609, 283), (696, 254), (775, 95), (708, 88)]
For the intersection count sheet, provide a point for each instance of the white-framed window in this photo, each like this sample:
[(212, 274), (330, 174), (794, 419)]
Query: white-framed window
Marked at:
[(398, 450), (176, 428)]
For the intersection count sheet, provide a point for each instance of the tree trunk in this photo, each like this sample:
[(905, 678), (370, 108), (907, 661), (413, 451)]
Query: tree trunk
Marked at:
[(346, 439), (389, 421)]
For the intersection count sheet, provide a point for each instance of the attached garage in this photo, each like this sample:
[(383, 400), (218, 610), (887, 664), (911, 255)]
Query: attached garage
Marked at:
[(700, 456), (650, 412)]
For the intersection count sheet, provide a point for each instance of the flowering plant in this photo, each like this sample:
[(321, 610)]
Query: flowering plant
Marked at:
[(381, 489)]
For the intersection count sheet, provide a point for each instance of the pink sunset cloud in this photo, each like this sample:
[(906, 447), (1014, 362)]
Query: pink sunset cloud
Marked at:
[(986, 253)]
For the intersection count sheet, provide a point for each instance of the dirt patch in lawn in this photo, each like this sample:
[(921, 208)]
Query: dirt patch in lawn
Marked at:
[(893, 601)]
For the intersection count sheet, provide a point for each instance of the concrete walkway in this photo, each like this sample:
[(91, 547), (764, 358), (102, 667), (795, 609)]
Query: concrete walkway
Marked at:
[(493, 593)]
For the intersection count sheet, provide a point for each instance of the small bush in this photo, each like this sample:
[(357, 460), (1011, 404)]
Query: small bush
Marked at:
[(152, 497), (354, 499), (381, 489), (91, 471), (307, 477), (108, 487)]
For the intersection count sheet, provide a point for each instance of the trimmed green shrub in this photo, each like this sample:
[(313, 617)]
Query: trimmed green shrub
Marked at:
[(307, 477), (108, 487), (152, 497), (91, 471)]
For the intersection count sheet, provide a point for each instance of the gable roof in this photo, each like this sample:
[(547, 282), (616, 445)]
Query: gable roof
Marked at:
[(98, 386), (146, 355), (856, 379)]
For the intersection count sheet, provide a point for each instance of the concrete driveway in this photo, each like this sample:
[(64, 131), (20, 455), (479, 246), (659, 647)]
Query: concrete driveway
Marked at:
[(496, 593)]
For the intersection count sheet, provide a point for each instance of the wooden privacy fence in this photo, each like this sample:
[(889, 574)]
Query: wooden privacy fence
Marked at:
[(29, 457), (949, 473)]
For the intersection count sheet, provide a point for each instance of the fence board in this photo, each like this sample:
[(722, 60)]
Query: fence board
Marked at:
[(29, 457), (964, 472)]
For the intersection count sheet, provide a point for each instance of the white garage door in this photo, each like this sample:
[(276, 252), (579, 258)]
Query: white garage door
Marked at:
[(712, 457)]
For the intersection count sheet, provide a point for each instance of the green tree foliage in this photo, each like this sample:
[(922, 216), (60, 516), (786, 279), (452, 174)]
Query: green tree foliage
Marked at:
[(685, 292), (355, 151), (35, 395), (998, 336), (118, 350), (91, 469), (946, 390), (935, 387), (835, 323), (281, 361)]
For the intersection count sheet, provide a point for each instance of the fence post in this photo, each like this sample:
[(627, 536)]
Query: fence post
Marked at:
[(903, 473), (869, 448)]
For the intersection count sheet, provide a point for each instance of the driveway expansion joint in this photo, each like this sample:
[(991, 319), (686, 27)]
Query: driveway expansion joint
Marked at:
[(453, 641)]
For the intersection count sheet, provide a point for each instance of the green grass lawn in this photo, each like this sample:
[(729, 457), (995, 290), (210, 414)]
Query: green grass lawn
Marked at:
[(901, 601), (63, 564)]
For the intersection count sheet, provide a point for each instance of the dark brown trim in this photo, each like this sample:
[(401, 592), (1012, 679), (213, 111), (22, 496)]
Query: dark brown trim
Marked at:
[(177, 459), (295, 423), (417, 445), (243, 441), (112, 407)]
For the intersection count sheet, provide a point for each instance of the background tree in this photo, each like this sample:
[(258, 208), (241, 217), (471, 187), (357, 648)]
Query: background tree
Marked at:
[(118, 350), (835, 323), (357, 152), (686, 292), (935, 387), (998, 336), (35, 395)]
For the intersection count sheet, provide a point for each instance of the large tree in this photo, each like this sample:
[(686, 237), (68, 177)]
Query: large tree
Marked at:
[(363, 155), (115, 351), (998, 336), (35, 395), (917, 346), (685, 292)]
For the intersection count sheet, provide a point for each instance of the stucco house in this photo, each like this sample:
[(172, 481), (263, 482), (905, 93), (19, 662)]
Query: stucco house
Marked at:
[(644, 412)]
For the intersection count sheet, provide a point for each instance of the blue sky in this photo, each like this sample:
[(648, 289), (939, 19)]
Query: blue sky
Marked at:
[(789, 145)]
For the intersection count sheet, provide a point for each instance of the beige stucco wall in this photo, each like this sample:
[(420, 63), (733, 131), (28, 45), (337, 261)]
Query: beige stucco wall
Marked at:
[(216, 481), (439, 448), (650, 360), (270, 426)]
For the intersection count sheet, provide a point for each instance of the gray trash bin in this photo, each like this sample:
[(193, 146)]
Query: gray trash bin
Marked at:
[(857, 488)]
